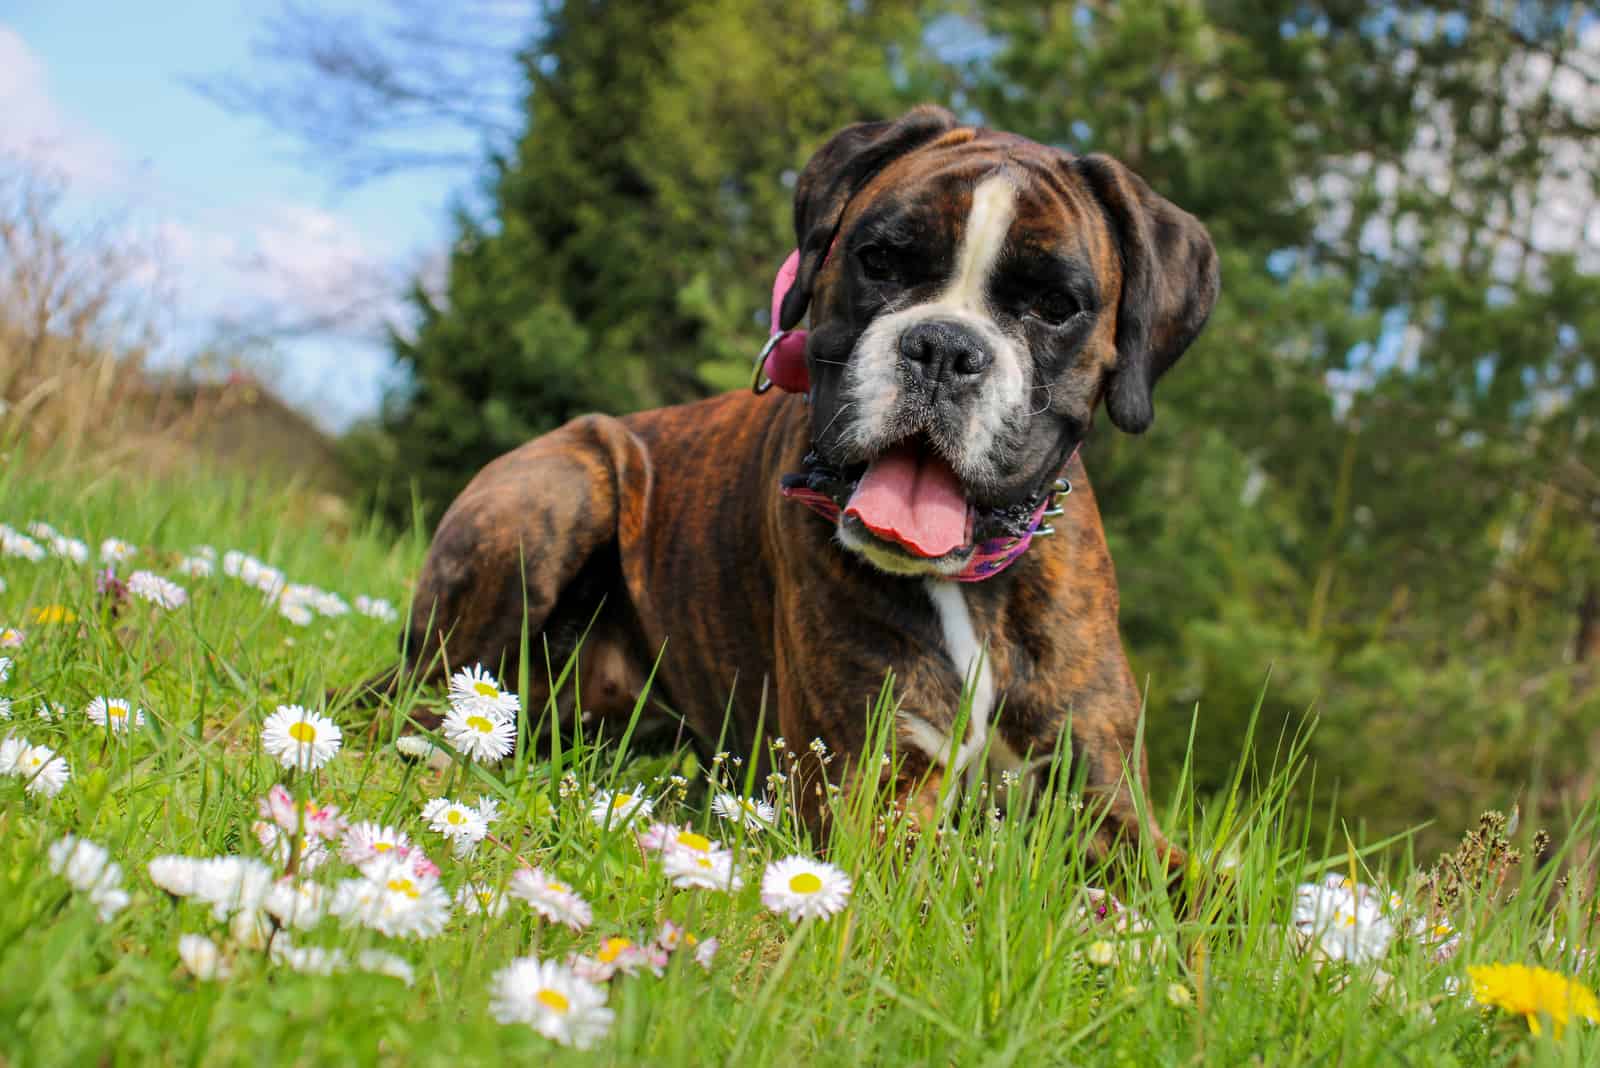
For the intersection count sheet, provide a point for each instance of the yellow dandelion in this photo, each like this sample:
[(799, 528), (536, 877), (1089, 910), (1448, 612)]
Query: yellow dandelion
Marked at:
[(1534, 993)]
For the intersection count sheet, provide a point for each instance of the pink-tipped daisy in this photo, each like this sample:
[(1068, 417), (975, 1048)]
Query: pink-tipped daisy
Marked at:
[(665, 838), (318, 821), (800, 887), (551, 898), (11, 638), (367, 841)]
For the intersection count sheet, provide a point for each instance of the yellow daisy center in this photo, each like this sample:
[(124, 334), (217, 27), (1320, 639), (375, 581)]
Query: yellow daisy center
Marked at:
[(454, 816), (805, 883), (1344, 919), (612, 948), (697, 842), (486, 689), (690, 939), (382, 847), (117, 711), (404, 886), (303, 732), (557, 888), (553, 1000), (621, 801), (704, 862), (480, 724)]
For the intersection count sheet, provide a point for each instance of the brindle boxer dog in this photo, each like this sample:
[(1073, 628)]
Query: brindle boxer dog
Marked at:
[(973, 297)]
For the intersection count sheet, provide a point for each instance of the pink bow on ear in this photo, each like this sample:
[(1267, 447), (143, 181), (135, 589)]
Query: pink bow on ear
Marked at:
[(785, 364)]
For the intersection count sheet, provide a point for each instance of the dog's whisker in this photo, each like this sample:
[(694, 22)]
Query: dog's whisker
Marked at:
[(842, 409), (1049, 399)]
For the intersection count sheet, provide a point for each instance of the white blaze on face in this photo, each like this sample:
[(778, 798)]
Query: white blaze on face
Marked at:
[(872, 381)]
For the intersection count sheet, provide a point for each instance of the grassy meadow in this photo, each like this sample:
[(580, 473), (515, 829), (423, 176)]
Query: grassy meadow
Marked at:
[(983, 942)]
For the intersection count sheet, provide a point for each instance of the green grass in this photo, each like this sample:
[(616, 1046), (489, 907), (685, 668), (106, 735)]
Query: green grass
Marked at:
[(965, 947)]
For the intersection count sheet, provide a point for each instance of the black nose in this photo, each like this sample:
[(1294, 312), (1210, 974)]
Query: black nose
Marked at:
[(943, 352)]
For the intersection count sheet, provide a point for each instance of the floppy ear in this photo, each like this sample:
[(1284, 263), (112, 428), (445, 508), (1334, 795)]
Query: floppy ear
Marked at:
[(1169, 285), (834, 175)]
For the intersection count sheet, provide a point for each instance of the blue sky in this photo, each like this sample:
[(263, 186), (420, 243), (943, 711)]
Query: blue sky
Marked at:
[(247, 229)]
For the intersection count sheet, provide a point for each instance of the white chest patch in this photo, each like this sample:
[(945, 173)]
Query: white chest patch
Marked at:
[(972, 660)]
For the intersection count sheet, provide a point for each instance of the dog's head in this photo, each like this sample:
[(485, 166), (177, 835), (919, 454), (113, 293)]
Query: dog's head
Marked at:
[(973, 297)]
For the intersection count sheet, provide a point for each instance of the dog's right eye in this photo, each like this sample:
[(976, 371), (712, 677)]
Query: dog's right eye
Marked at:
[(877, 263)]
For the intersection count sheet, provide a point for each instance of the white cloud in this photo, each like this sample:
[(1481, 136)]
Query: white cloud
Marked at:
[(37, 132)]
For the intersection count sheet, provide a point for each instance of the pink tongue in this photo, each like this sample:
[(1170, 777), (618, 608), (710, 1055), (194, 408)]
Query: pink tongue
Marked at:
[(912, 497)]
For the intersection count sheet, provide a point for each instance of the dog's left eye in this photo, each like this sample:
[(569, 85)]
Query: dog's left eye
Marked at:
[(1054, 307), (877, 263)]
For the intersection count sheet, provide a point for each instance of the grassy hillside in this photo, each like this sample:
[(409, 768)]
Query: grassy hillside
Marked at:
[(988, 942)]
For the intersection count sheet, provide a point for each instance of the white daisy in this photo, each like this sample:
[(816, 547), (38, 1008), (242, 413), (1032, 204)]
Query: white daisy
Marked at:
[(69, 549), (711, 870), (195, 567), (5, 668), (802, 887), (309, 960), (620, 808), (416, 747), (158, 591), (252, 929), (45, 772), (115, 550), (295, 613), (479, 736), (15, 543), (329, 603), (114, 712), (179, 876), (300, 739), (232, 884), (552, 1000), (393, 900), (475, 690), (5, 708), (41, 530), (382, 962), (377, 608), (296, 903), (550, 898), (90, 870), (462, 825), (753, 812), (1341, 920), (11, 750), (475, 898), (11, 638), (54, 712), (368, 841), (202, 958), (488, 809)]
